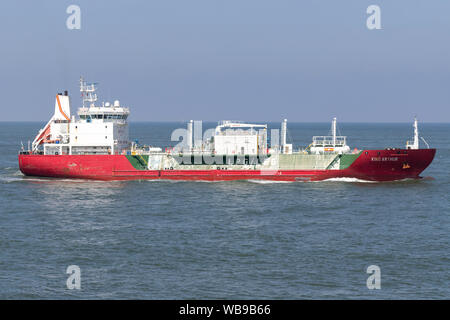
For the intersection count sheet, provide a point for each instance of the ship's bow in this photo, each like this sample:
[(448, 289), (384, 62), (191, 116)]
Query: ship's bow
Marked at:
[(391, 164)]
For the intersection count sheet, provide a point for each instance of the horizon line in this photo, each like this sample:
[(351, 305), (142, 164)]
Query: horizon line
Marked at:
[(248, 121)]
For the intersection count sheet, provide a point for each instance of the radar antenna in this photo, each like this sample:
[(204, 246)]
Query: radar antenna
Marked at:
[(88, 92)]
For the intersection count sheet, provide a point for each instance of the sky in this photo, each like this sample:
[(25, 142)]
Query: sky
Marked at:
[(253, 60)]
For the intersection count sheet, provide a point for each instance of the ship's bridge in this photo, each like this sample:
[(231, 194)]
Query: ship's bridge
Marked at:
[(105, 113), (100, 129)]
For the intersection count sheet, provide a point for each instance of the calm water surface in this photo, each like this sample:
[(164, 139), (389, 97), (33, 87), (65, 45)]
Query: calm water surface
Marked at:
[(231, 240)]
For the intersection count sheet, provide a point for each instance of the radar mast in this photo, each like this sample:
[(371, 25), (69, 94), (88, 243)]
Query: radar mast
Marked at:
[(88, 92)]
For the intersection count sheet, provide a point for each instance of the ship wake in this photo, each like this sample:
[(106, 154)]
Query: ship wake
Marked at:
[(345, 179), (267, 181)]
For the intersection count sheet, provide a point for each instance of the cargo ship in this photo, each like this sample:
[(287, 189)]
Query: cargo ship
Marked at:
[(95, 145)]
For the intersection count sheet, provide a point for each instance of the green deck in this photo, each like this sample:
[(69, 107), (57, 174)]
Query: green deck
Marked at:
[(347, 160), (138, 162)]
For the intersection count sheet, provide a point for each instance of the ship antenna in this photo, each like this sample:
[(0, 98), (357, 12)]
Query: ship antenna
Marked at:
[(415, 143), (333, 130), (88, 92), (416, 134)]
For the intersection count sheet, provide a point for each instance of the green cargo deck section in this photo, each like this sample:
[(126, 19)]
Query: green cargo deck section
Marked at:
[(139, 162), (348, 159)]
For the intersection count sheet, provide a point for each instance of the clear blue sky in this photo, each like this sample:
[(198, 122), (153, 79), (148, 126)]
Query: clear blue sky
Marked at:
[(231, 59)]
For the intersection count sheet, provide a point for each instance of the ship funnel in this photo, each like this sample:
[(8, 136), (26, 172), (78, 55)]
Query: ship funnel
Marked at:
[(62, 107), (62, 112)]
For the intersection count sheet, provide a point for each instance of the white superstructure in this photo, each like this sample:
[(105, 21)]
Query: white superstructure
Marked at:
[(99, 129)]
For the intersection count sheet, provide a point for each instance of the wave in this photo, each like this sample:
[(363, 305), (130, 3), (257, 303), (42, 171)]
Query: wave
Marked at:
[(258, 181), (19, 177), (183, 180), (347, 180), (356, 180), (262, 181)]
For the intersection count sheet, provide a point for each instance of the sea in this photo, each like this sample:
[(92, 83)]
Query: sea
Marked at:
[(334, 239)]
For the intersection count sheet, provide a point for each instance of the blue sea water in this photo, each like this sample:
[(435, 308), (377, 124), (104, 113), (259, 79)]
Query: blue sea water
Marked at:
[(227, 240)]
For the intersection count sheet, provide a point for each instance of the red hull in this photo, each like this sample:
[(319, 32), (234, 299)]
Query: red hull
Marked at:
[(375, 165)]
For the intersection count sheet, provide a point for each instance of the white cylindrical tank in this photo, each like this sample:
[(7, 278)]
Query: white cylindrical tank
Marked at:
[(116, 104)]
